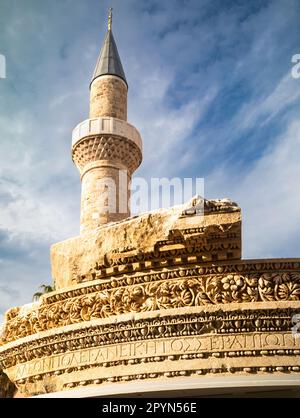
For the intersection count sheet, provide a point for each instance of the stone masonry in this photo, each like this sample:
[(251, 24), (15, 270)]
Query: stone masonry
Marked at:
[(154, 300), (108, 155), (108, 98)]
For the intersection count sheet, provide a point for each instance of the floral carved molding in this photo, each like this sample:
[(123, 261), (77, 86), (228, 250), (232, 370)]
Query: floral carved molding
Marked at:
[(186, 288)]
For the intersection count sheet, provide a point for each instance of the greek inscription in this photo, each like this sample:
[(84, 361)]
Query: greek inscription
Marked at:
[(163, 347)]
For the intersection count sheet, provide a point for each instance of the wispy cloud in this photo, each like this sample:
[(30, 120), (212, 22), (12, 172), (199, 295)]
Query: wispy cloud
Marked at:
[(262, 111)]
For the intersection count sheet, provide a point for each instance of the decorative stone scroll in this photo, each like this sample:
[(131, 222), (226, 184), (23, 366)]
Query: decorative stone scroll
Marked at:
[(186, 288), (182, 343)]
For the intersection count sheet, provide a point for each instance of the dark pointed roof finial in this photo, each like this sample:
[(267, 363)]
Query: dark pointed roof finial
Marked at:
[(109, 62), (110, 18)]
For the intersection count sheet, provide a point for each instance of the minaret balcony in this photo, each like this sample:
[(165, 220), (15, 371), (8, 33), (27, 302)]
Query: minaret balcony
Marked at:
[(106, 126)]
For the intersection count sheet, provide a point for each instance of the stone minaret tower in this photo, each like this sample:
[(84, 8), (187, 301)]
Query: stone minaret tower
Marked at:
[(106, 148)]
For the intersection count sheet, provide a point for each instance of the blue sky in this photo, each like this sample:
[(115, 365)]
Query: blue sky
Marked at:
[(211, 92)]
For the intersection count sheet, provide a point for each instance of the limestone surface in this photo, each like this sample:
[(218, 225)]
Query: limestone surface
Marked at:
[(157, 297)]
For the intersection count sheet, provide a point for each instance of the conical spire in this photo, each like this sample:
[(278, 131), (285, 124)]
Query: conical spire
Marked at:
[(109, 62)]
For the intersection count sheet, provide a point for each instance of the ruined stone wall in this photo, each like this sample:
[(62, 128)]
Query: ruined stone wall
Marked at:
[(160, 296)]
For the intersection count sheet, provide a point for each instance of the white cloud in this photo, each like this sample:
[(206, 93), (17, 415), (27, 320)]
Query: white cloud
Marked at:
[(36, 217), (262, 110), (269, 197)]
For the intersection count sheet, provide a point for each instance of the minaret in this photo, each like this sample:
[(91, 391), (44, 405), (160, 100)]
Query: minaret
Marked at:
[(106, 148)]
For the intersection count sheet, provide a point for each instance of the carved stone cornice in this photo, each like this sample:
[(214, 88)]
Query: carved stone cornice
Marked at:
[(185, 321), (179, 343), (169, 289)]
